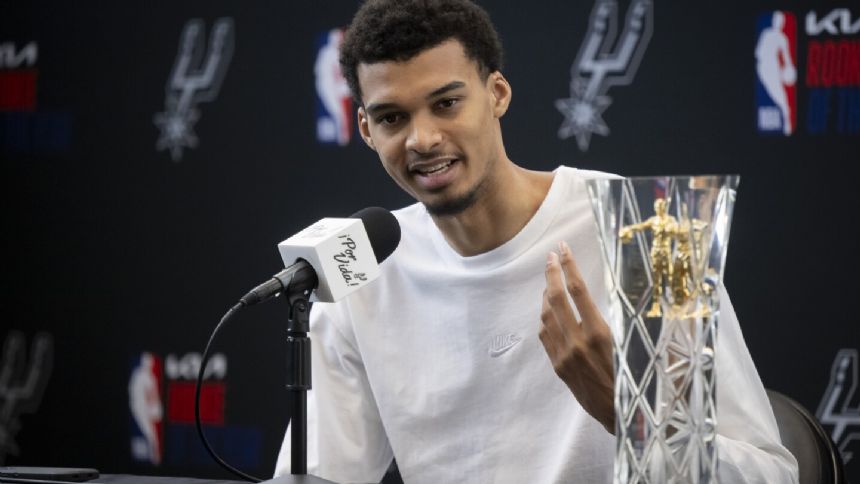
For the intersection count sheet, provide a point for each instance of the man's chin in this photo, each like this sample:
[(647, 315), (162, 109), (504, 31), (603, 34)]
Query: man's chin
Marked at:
[(456, 204), (452, 206)]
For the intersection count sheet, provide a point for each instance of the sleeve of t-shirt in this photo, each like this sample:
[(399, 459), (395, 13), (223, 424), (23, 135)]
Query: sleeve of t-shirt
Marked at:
[(749, 448), (346, 439)]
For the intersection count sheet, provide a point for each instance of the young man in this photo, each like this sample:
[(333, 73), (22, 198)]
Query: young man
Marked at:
[(465, 360)]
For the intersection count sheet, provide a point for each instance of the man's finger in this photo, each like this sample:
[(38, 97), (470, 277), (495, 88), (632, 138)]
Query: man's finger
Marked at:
[(548, 344), (550, 332), (576, 287), (556, 295)]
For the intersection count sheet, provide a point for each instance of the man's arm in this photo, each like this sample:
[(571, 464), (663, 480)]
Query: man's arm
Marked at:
[(748, 443)]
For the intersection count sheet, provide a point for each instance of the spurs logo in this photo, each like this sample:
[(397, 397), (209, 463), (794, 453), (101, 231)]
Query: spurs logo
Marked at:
[(598, 66), (836, 406), (194, 79), (21, 384)]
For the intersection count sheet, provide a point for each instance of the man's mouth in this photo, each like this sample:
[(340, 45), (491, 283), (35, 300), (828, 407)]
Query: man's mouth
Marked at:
[(435, 174), (435, 168)]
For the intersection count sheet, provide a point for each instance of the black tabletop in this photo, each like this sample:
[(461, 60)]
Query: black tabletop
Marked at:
[(129, 479)]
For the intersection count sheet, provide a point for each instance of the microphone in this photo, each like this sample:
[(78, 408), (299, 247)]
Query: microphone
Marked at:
[(335, 256)]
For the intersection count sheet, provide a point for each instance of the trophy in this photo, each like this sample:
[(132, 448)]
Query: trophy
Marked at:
[(664, 242)]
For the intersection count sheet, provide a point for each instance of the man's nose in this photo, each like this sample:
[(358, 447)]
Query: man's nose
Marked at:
[(424, 135)]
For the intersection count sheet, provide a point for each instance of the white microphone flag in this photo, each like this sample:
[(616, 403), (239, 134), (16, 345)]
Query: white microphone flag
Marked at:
[(340, 253)]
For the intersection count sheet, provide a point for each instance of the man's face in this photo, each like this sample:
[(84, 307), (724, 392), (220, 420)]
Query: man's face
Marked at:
[(433, 121)]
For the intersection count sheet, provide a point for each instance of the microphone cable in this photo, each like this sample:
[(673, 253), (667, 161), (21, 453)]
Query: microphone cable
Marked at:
[(205, 359)]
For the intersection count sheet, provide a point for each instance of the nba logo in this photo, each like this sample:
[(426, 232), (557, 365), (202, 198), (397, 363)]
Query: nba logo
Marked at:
[(144, 398), (334, 102), (776, 72)]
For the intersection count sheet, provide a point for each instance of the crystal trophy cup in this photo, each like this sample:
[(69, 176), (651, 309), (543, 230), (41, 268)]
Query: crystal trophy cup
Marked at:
[(664, 241)]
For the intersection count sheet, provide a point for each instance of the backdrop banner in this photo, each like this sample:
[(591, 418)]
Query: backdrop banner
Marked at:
[(154, 156)]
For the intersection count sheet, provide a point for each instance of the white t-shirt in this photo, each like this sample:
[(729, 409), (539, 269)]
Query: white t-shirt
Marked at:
[(438, 364)]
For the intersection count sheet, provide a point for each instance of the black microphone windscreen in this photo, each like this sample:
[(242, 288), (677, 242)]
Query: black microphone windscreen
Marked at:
[(382, 230)]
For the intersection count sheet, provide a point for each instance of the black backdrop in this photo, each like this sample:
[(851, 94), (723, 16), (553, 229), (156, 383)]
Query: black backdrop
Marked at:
[(114, 249)]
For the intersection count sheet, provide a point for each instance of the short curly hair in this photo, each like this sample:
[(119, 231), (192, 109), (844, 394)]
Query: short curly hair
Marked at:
[(397, 30)]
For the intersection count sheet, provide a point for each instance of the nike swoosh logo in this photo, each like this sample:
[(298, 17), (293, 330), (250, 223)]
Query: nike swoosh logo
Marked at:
[(503, 343)]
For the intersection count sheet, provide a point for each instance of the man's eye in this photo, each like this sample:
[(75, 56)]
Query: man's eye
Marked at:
[(447, 103), (392, 118)]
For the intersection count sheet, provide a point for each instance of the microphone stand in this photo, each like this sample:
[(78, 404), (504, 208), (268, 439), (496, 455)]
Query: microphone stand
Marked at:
[(299, 377)]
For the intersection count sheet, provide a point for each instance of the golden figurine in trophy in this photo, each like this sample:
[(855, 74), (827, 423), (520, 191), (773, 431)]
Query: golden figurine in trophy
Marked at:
[(675, 270), (663, 229), (682, 276)]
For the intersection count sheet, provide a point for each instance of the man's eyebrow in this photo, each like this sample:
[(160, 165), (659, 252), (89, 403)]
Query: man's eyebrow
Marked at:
[(372, 109), (375, 108), (447, 87)]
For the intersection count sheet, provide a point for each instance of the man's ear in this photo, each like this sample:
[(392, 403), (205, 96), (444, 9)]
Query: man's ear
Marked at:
[(364, 129), (501, 93)]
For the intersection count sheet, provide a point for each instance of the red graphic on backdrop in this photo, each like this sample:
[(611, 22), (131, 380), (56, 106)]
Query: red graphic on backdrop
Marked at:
[(18, 90), (833, 63), (180, 403)]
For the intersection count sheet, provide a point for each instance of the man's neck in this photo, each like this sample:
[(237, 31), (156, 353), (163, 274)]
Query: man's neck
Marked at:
[(507, 205)]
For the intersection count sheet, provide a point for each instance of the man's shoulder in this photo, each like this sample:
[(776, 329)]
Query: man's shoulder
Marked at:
[(587, 174)]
